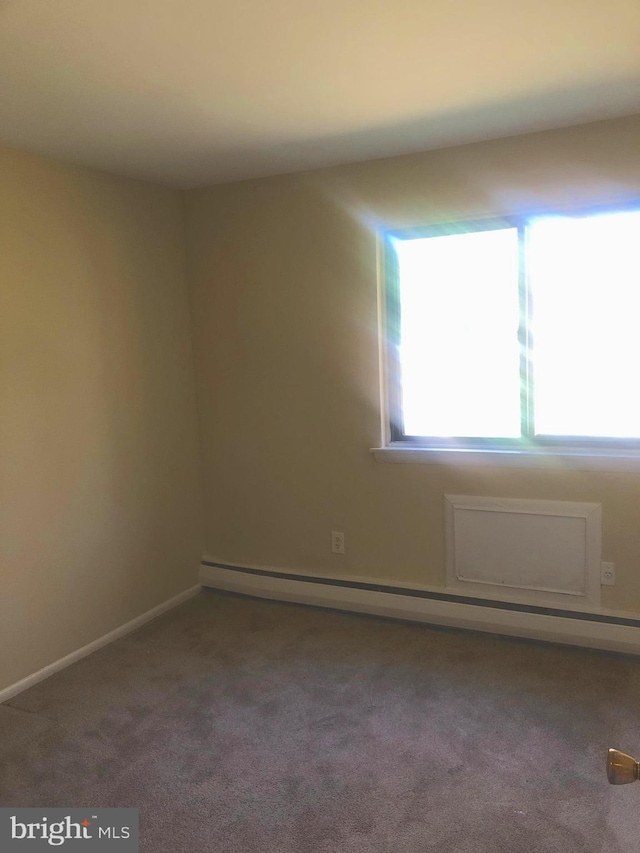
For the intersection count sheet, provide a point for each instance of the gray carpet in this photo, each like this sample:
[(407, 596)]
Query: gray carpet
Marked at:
[(241, 725)]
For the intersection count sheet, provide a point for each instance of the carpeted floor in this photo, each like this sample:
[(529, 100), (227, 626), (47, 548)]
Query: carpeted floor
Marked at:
[(238, 725)]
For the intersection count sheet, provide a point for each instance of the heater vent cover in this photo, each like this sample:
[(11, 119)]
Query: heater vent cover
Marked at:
[(530, 551)]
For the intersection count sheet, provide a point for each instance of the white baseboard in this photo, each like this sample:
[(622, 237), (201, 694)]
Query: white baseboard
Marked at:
[(586, 628), (13, 689)]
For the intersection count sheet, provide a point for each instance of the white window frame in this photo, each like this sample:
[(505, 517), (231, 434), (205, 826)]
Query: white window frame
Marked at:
[(608, 454)]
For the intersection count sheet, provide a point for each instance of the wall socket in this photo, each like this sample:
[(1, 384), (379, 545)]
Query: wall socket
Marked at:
[(608, 574), (337, 542)]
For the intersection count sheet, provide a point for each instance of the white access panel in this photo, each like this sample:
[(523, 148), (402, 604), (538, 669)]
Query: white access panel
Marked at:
[(534, 551)]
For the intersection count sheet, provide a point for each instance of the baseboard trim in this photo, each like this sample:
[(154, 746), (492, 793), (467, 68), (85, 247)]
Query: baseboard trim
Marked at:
[(603, 630), (24, 684)]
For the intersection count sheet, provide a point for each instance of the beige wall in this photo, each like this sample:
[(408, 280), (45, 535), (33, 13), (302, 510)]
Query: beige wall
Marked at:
[(283, 275), (99, 495), (98, 475)]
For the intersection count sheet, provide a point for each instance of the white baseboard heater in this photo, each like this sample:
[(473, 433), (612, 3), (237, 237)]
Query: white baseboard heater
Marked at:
[(605, 630)]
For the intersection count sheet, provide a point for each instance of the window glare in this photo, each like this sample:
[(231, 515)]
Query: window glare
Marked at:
[(584, 275), (459, 352)]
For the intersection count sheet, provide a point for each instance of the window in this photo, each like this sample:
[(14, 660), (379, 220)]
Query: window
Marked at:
[(516, 335)]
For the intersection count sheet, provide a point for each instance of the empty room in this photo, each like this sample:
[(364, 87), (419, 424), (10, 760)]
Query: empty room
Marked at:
[(320, 426)]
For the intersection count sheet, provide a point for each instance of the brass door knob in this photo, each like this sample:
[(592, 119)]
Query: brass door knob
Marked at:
[(621, 768)]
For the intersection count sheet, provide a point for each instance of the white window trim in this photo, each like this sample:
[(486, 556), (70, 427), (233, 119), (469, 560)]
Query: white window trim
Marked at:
[(586, 460), (609, 460)]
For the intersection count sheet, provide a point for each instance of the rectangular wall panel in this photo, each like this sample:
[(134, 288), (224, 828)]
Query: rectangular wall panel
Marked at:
[(524, 550)]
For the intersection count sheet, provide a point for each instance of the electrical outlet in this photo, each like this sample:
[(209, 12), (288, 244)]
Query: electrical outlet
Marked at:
[(337, 542), (607, 574)]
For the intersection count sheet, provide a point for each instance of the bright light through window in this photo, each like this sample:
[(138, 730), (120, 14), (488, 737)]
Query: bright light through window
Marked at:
[(518, 331), (585, 284), (459, 352)]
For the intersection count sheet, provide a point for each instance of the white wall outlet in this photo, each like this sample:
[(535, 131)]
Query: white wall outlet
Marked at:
[(607, 574), (337, 542)]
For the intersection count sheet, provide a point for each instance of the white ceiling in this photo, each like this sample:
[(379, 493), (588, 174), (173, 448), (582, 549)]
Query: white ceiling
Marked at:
[(195, 92)]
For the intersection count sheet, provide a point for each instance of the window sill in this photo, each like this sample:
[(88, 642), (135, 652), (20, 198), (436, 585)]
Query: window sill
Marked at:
[(580, 460)]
